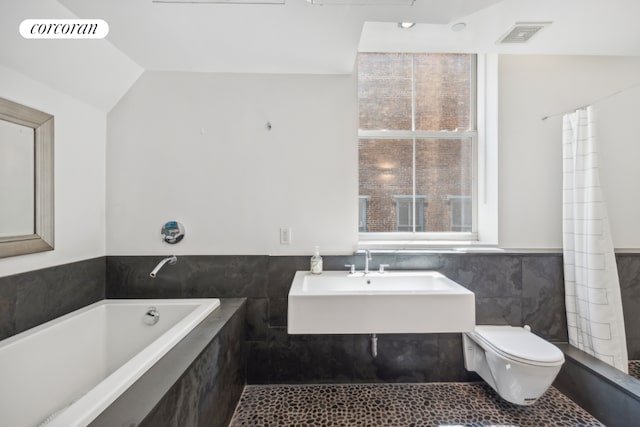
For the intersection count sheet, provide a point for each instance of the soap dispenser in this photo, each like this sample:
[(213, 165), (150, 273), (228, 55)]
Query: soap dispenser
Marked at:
[(316, 262)]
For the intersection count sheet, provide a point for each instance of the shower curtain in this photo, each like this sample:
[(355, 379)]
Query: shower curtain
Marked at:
[(592, 289)]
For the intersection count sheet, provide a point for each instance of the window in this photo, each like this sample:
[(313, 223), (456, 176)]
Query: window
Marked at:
[(460, 213), (405, 211), (417, 135), (362, 213)]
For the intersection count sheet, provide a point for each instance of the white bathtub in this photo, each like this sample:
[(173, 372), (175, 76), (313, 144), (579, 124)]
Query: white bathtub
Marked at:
[(65, 372)]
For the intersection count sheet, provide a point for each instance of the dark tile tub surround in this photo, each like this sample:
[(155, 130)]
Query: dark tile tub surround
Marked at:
[(512, 289), (629, 273), (31, 298), (200, 276), (605, 392), (197, 383)]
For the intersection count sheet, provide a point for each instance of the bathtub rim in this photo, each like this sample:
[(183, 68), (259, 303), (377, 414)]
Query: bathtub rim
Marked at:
[(89, 406), (6, 342), (138, 401), (608, 394), (618, 379)]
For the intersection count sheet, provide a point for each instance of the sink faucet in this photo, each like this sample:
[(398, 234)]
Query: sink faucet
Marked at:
[(367, 258)]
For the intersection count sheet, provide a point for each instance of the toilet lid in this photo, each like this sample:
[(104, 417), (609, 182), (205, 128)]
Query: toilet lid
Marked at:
[(520, 344)]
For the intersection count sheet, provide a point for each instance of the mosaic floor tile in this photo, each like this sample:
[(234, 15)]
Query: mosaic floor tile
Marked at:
[(634, 368), (395, 405)]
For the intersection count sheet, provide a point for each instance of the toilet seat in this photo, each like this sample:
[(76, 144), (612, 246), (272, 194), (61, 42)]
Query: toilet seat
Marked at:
[(519, 345)]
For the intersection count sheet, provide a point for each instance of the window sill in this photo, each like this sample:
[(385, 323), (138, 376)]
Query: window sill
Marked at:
[(427, 246)]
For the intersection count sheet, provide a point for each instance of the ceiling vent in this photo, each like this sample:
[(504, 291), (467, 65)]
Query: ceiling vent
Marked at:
[(522, 32)]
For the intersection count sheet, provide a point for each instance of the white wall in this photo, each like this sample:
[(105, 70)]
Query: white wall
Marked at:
[(194, 147), (79, 174), (530, 174), (236, 183), (93, 71)]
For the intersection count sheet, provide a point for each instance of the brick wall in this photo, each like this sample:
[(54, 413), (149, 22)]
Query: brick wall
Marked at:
[(443, 166)]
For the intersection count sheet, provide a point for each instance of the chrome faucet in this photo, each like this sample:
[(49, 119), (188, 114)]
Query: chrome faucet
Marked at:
[(171, 260), (367, 258)]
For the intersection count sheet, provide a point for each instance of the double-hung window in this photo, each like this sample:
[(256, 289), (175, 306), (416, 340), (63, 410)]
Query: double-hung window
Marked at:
[(417, 146)]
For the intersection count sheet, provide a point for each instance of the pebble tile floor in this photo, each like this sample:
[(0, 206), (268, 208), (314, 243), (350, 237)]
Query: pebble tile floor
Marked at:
[(634, 368), (396, 405)]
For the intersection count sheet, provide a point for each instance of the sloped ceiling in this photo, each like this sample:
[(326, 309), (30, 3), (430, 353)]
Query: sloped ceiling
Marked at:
[(93, 71), (297, 37)]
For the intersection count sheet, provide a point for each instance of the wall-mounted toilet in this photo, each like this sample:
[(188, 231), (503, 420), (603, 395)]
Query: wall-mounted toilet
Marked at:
[(517, 364)]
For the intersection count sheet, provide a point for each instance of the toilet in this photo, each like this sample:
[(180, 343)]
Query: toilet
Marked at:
[(516, 363)]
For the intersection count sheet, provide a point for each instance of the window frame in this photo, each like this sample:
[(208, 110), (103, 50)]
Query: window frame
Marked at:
[(452, 199), (363, 204), (418, 200), (473, 133)]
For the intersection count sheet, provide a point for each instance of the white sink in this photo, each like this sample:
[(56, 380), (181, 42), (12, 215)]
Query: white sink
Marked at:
[(336, 302)]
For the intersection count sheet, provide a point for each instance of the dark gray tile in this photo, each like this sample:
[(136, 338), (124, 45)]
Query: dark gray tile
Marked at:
[(337, 263), (284, 363), (281, 270), (190, 277), (43, 295), (321, 358), (499, 311), (405, 357), (594, 395), (8, 298), (128, 277), (414, 262), (509, 288), (258, 369), (82, 283), (278, 312), (633, 407), (485, 275), (629, 274), (226, 276), (207, 393), (279, 334), (543, 306), (257, 319), (451, 360), (633, 346)]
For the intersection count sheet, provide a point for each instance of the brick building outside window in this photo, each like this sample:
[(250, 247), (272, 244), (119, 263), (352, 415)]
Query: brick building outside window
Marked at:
[(417, 139)]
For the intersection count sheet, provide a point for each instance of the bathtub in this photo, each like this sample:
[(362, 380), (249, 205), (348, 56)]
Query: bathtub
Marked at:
[(65, 372)]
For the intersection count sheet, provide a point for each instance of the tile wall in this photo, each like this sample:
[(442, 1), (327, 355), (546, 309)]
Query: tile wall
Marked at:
[(514, 289), (29, 299), (510, 289)]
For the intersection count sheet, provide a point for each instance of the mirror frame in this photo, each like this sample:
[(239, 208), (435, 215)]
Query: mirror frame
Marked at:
[(42, 125)]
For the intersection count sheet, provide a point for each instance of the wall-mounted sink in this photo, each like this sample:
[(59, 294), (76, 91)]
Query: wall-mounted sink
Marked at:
[(337, 302)]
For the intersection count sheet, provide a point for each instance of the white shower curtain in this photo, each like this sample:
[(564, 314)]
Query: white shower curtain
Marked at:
[(592, 288)]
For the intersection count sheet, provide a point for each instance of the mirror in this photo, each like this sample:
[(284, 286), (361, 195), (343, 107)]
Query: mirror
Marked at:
[(26, 180)]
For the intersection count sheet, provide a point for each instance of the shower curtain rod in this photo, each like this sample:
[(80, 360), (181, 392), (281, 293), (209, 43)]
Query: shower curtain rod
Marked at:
[(594, 102)]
